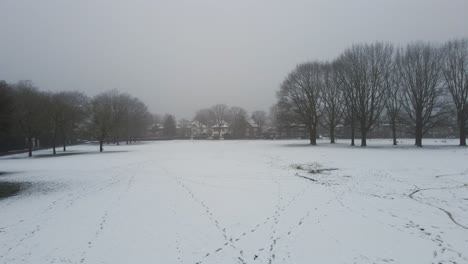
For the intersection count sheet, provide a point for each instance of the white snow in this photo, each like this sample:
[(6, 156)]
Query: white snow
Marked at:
[(239, 202)]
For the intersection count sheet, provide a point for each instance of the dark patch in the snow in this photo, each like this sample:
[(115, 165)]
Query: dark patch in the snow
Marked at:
[(7, 173), (319, 171), (312, 170), (300, 145), (8, 189)]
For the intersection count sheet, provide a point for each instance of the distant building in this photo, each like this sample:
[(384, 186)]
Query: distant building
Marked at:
[(219, 130), (199, 130)]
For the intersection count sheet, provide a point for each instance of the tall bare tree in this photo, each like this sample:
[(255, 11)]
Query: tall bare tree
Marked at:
[(220, 112), (29, 111), (420, 70), (104, 116), (136, 119), (205, 116), (393, 101), (301, 93), (260, 119), (6, 108), (333, 100), (341, 66), (280, 117), (70, 109), (364, 71), (170, 126), (455, 71), (238, 121)]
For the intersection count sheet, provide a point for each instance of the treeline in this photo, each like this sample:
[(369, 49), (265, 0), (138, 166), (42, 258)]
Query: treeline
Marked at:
[(235, 118), (416, 87), (28, 115)]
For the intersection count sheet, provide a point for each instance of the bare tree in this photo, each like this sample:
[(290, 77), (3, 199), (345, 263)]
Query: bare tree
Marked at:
[(393, 102), (301, 93), (68, 112), (364, 71), (170, 126), (205, 116), (455, 71), (156, 121), (220, 112), (238, 121), (333, 100), (54, 113), (136, 118), (341, 66), (6, 108), (280, 117), (419, 66), (184, 128), (104, 116), (260, 119), (29, 111)]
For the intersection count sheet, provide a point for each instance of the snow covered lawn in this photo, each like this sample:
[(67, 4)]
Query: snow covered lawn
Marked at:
[(238, 202)]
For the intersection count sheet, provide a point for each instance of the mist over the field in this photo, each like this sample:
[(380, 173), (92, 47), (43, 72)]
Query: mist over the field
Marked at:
[(180, 56)]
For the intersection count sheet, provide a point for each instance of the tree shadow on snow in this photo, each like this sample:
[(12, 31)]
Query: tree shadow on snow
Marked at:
[(68, 153), (371, 145)]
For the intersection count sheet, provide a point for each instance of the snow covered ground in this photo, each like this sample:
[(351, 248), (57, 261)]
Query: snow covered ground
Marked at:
[(239, 202)]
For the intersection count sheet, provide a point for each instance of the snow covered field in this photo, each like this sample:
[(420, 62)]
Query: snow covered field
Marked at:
[(239, 202)]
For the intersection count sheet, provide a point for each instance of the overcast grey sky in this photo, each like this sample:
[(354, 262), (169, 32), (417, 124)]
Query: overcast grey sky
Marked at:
[(179, 56)]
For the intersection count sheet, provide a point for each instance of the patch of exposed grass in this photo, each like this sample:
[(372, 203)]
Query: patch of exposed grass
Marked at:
[(8, 189)]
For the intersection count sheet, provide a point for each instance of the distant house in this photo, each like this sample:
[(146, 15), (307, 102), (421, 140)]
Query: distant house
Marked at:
[(156, 130), (199, 130), (252, 130), (219, 130)]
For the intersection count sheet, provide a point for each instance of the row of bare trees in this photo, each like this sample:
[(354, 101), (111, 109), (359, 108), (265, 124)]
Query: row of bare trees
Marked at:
[(418, 86), (56, 118)]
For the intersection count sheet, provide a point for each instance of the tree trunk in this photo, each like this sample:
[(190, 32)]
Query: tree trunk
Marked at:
[(462, 135), (54, 139), (352, 127), (30, 146), (418, 136), (332, 134), (462, 128), (312, 135), (394, 133), (100, 145), (64, 141), (363, 138), (129, 140), (363, 133)]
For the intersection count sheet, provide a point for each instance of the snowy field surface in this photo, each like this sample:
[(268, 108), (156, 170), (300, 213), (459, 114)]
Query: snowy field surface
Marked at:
[(238, 202)]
